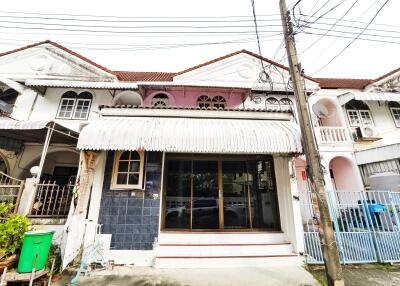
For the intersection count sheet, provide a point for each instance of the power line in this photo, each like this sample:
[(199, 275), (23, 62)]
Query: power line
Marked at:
[(345, 48), (131, 17), (359, 17), (337, 21)]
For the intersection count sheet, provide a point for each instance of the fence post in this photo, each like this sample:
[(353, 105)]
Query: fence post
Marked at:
[(27, 197), (332, 207), (370, 225), (394, 211)]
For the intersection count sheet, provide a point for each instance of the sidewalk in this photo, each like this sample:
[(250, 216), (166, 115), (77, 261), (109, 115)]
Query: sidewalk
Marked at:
[(146, 276)]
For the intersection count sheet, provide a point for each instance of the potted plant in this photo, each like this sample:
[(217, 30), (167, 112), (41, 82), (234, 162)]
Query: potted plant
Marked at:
[(12, 229)]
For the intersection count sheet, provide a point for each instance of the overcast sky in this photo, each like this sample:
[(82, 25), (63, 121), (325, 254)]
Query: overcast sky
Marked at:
[(123, 43)]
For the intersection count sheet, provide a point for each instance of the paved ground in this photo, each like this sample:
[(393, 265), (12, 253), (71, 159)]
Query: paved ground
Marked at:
[(145, 276), (366, 275)]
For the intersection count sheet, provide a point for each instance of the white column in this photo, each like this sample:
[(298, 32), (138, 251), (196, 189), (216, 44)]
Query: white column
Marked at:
[(27, 197), (95, 199), (289, 208)]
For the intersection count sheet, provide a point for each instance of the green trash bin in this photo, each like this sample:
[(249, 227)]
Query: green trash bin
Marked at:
[(35, 246)]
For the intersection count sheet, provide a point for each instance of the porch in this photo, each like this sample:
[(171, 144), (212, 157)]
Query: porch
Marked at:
[(42, 163), (165, 198)]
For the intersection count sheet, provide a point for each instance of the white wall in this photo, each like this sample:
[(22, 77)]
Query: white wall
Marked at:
[(46, 107), (289, 208), (59, 154)]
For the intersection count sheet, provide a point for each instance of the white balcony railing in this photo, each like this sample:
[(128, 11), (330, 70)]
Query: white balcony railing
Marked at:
[(329, 134)]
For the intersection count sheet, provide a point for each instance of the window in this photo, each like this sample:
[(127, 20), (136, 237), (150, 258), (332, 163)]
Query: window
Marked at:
[(358, 113), (128, 170), (8, 96), (160, 100), (272, 103), (395, 110), (218, 102), (204, 101), (75, 106), (286, 104)]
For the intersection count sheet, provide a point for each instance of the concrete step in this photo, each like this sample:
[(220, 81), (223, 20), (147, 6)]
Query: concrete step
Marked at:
[(229, 262), (209, 250), (223, 249), (221, 237)]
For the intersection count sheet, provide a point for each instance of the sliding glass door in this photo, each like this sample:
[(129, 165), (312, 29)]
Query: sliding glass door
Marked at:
[(220, 194)]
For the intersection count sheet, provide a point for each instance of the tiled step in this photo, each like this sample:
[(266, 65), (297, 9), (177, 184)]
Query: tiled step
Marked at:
[(184, 250), (221, 237), (223, 249)]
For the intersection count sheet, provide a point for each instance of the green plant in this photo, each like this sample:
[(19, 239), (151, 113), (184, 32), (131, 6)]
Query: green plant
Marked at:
[(12, 231), (5, 209)]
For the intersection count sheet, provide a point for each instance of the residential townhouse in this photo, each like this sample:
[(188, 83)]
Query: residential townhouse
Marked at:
[(200, 168)]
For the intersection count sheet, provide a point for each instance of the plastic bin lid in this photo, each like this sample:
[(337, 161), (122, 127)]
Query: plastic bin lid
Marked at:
[(39, 232)]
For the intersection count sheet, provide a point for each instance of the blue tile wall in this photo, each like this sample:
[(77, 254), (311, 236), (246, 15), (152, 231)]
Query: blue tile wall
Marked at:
[(132, 220)]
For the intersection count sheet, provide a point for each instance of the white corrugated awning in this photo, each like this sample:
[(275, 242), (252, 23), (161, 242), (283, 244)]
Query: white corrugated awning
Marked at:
[(81, 84), (191, 135), (375, 96), (14, 132), (377, 154)]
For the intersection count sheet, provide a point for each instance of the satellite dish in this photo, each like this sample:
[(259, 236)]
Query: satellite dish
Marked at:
[(320, 110)]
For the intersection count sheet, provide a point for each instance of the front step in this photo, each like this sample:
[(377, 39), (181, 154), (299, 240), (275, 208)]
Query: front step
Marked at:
[(216, 250), (171, 237)]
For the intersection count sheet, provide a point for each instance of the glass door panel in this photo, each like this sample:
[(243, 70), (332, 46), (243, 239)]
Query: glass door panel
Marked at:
[(205, 205), (263, 197), (178, 193), (235, 195)]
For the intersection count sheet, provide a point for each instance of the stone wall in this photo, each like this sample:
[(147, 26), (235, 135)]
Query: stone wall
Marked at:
[(132, 216)]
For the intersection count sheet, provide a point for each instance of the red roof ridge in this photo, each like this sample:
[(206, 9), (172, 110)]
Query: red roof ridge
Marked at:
[(341, 78), (387, 74), (60, 47)]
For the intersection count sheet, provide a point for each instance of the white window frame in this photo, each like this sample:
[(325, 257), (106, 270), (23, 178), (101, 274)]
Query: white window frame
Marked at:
[(115, 172), (76, 106), (361, 119), (61, 104), (396, 120), (75, 100)]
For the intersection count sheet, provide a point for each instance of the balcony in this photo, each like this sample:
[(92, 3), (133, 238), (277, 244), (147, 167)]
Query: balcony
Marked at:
[(332, 135)]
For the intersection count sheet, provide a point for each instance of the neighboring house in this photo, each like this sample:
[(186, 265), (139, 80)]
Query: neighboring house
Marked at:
[(48, 93), (369, 112)]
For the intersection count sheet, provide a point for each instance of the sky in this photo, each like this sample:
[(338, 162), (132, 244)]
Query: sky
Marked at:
[(160, 35)]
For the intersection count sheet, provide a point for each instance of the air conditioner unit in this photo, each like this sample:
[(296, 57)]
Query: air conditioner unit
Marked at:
[(367, 131)]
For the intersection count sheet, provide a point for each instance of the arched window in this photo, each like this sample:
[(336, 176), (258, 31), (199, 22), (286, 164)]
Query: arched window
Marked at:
[(286, 104), (218, 102), (75, 106), (204, 101), (358, 113), (8, 96), (160, 100), (272, 103), (128, 170), (394, 107)]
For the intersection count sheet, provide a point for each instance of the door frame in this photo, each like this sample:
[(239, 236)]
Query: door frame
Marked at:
[(219, 158)]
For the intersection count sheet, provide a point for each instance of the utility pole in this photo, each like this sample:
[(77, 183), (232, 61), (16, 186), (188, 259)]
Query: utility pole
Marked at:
[(333, 268)]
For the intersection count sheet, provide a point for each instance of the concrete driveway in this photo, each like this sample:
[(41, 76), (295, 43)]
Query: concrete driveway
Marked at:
[(146, 276)]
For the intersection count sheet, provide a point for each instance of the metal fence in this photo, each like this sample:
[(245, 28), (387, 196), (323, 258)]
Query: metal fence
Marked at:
[(52, 200), (366, 225), (10, 189)]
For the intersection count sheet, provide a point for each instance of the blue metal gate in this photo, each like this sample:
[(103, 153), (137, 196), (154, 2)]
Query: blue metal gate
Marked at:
[(366, 225)]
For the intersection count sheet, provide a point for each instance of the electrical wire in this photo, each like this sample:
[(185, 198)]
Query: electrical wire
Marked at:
[(348, 45), (336, 22)]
